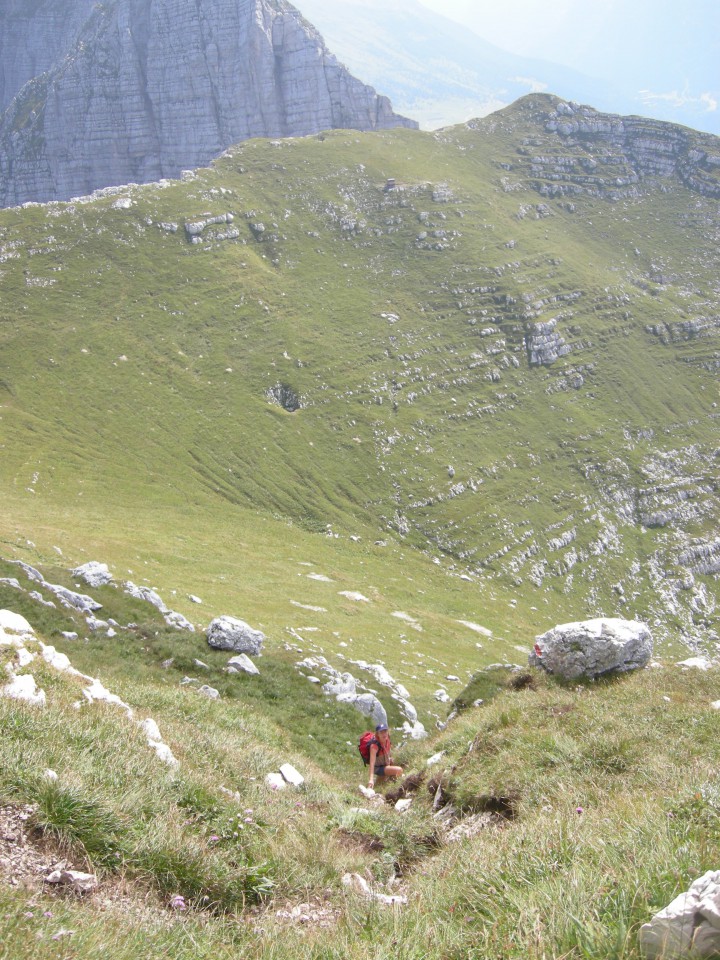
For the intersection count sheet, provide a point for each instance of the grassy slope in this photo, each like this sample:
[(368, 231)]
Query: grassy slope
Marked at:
[(604, 831), (169, 438), (135, 430)]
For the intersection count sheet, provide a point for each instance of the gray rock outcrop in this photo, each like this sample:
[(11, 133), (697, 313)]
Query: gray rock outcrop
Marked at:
[(138, 90), (689, 926), (93, 573), (229, 633), (591, 648), (585, 151)]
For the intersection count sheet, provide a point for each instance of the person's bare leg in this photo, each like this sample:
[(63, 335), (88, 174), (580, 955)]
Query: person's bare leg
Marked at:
[(391, 773)]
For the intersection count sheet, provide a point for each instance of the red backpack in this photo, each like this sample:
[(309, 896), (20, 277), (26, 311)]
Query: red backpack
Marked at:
[(366, 741)]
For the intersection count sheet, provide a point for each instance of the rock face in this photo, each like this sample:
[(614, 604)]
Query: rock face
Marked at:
[(138, 90), (228, 633), (687, 927), (584, 151), (593, 647)]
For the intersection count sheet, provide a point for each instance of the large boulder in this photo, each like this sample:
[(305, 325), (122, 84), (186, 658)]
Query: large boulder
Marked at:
[(13, 623), (95, 574), (228, 633), (687, 927), (367, 703), (590, 648)]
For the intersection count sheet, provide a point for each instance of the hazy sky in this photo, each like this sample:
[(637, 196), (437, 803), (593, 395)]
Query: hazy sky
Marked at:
[(670, 48), (662, 57)]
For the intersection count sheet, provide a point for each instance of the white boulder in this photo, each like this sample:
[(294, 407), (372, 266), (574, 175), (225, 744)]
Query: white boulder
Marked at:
[(93, 573), (75, 879), (24, 688), (695, 663), (164, 753), (147, 594), (275, 781), (55, 659), (14, 623), (151, 729), (179, 621), (359, 885), (367, 703), (415, 731), (229, 633), (96, 692), (291, 775), (591, 648), (241, 663), (687, 927)]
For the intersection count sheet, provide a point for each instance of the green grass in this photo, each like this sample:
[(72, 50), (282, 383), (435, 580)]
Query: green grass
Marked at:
[(135, 429), (612, 787)]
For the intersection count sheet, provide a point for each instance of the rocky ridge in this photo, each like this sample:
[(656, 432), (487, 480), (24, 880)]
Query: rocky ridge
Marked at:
[(134, 92), (580, 150)]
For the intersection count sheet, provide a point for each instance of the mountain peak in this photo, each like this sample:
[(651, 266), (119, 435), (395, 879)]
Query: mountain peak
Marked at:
[(137, 92)]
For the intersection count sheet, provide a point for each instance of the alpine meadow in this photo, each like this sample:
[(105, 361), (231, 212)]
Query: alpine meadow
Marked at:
[(402, 401)]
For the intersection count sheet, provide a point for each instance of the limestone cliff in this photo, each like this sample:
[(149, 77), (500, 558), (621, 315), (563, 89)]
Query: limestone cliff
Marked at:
[(137, 90)]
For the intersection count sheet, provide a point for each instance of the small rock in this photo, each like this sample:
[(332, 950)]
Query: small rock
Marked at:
[(275, 781), (291, 775), (695, 663), (354, 595), (360, 885), (78, 881), (241, 663), (209, 692), (164, 753), (24, 688), (151, 729)]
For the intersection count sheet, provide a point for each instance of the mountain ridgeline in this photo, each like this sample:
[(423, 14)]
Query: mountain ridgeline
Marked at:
[(95, 94), (493, 349)]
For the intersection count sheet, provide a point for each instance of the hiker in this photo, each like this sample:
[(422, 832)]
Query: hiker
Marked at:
[(377, 749)]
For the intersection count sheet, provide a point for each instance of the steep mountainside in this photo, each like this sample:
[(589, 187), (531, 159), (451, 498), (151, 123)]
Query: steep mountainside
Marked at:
[(137, 90), (503, 366), (34, 37), (437, 71)]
